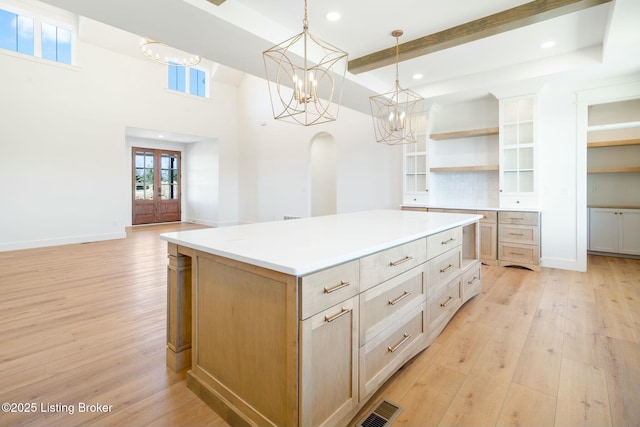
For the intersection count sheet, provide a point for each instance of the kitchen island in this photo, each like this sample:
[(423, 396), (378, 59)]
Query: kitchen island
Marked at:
[(299, 322)]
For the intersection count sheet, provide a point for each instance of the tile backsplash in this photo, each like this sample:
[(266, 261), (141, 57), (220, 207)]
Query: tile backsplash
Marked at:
[(472, 188)]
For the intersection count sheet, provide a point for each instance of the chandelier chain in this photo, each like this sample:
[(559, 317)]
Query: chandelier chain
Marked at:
[(397, 59), (305, 21)]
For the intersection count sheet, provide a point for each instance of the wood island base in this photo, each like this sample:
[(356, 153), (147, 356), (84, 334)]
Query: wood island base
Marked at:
[(270, 348)]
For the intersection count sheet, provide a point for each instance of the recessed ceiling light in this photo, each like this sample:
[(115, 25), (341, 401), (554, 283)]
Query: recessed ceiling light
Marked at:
[(332, 16), (547, 45), (417, 76)]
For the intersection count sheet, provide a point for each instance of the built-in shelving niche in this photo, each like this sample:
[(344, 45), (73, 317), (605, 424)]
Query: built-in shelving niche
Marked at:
[(613, 154)]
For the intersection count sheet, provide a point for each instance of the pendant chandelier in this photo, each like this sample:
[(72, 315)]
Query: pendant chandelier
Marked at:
[(303, 91), (167, 55), (396, 113)]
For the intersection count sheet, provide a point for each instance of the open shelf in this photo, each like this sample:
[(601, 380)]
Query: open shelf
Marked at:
[(617, 143), (464, 133), (614, 170), (466, 168)]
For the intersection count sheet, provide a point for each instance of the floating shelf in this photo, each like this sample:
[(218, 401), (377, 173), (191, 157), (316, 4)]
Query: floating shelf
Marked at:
[(614, 170), (466, 168), (617, 143), (464, 133)]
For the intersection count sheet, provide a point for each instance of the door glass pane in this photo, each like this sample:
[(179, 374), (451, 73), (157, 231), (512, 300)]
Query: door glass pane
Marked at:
[(510, 112), (525, 109), (144, 176), (169, 176), (510, 133), (511, 182), (526, 133), (411, 164), (421, 183), (410, 183), (526, 158), (510, 159), (421, 164), (526, 182)]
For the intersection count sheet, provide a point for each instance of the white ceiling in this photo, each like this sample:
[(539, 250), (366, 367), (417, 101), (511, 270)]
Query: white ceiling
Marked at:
[(597, 41)]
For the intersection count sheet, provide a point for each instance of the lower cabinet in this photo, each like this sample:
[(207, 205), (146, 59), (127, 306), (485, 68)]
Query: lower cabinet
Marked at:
[(329, 364), (614, 230), (518, 239), (489, 237)]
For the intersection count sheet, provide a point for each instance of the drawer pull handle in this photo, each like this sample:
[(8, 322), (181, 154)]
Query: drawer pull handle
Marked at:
[(443, 270), (446, 303), (472, 280), (516, 234), (335, 316), (406, 338), (405, 259), (516, 253), (342, 284), (446, 242), (400, 298), (517, 218)]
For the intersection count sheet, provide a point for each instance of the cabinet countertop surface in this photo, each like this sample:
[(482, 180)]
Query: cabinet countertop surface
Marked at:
[(465, 206), (302, 246)]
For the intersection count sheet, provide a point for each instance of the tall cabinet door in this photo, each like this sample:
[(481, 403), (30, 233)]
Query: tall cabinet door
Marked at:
[(329, 364), (629, 240), (603, 230), (518, 175)]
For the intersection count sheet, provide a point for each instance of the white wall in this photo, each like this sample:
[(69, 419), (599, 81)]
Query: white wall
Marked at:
[(201, 180), (63, 141), (323, 175), (274, 173)]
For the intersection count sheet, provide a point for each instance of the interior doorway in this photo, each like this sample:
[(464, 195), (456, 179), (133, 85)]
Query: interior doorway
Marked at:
[(156, 192), (323, 175)]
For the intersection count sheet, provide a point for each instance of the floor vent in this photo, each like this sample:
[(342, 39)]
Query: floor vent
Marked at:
[(384, 414)]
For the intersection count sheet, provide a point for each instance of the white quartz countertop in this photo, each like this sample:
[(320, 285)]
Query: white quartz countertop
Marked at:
[(305, 245), (467, 206)]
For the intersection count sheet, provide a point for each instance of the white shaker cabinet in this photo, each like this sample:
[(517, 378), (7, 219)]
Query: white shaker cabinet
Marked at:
[(614, 230), (518, 152)]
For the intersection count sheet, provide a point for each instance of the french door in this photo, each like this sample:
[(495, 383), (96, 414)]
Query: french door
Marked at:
[(156, 186)]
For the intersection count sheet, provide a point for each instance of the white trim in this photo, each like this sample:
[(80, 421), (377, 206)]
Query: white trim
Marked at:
[(31, 244)]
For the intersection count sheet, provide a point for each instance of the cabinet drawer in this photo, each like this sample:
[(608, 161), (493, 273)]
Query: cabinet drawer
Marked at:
[(515, 252), (471, 283), (488, 216), (381, 266), (523, 218), (391, 298), (443, 304), (384, 354), (442, 269), (526, 234), (325, 288), (443, 241)]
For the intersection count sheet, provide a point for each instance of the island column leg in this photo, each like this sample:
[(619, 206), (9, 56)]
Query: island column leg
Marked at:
[(178, 309)]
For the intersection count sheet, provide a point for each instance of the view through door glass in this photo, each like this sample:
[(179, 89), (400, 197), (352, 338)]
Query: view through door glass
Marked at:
[(156, 186)]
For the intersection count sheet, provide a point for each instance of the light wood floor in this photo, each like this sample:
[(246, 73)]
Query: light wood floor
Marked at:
[(86, 324)]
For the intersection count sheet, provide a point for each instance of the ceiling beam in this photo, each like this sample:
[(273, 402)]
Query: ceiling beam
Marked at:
[(520, 16), (216, 2)]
